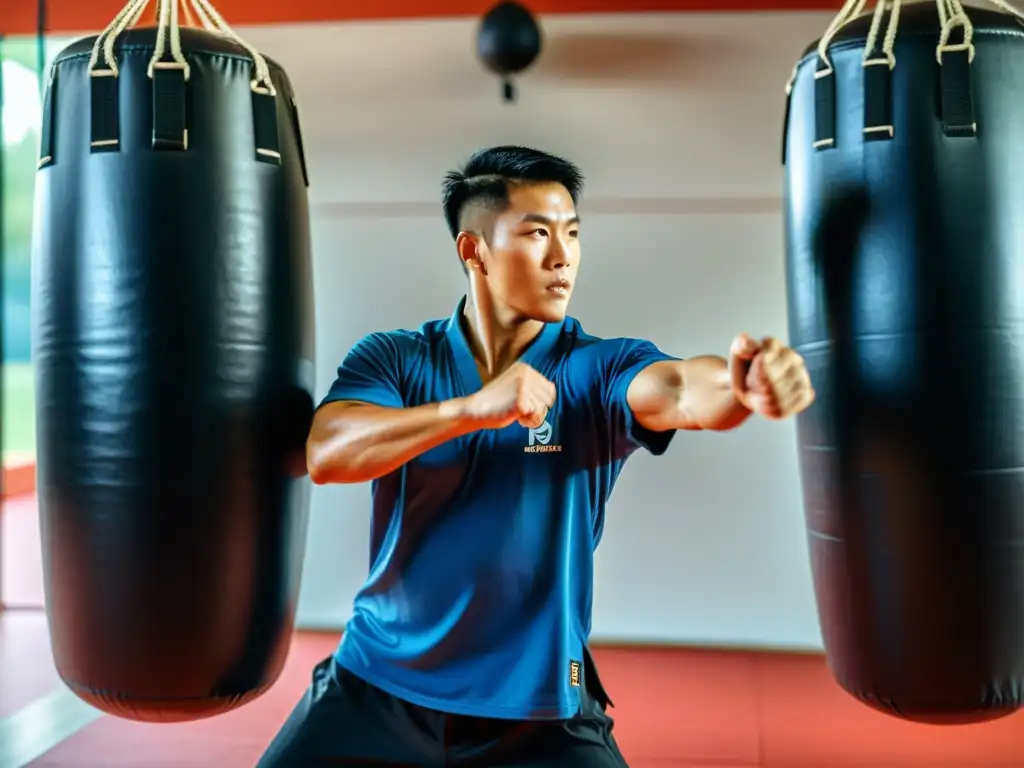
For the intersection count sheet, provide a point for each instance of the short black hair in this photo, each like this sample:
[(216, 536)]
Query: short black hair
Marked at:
[(487, 175)]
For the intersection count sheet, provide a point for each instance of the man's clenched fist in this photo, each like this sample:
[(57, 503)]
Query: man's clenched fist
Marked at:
[(520, 394), (769, 378)]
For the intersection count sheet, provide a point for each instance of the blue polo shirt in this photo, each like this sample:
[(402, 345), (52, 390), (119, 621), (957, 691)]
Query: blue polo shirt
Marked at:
[(480, 587)]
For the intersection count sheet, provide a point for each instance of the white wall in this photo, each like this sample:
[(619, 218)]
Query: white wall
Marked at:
[(682, 244)]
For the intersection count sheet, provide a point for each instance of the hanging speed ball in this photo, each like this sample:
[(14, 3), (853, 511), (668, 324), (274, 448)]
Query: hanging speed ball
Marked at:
[(905, 256), (173, 349), (508, 41)]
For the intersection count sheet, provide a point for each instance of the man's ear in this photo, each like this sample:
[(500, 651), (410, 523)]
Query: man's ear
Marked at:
[(470, 246)]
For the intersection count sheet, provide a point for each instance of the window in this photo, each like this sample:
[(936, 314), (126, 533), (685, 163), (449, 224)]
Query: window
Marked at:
[(21, 570), (21, 120)]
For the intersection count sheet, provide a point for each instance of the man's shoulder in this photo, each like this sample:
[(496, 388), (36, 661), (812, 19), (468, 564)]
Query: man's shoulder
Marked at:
[(588, 344), (408, 341), (578, 340)]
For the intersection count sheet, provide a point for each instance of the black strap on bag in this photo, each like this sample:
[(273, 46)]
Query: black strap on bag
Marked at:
[(47, 155), (956, 92), (170, 117), (824, 106), (264, 124), (878, 109), (104, 108)]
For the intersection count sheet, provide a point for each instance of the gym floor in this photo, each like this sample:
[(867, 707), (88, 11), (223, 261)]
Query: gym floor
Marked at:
[(674, 707)]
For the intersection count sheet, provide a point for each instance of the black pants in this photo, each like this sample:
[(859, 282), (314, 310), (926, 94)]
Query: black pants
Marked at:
[(343, 720)]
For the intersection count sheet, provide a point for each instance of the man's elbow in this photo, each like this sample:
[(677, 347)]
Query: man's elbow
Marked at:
[(318, 471), (329, 465)]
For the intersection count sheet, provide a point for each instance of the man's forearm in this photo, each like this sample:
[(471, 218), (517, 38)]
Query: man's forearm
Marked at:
[(686, 394), (708, 398), (358, 442)]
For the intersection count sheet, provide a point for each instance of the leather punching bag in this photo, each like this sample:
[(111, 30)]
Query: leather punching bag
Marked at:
[(173, 347), (905, 254)]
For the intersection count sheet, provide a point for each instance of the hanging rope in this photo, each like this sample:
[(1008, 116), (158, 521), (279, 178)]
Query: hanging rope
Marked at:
[(851, 10), (126, 16), (889, 42), (953, 15), (168, 40), (262, 81), (167, 25)]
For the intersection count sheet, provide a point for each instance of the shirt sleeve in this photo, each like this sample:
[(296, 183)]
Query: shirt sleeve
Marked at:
[(370, 373), (621, 361)]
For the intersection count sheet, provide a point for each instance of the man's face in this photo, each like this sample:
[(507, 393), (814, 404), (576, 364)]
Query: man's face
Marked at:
[(533, 253)]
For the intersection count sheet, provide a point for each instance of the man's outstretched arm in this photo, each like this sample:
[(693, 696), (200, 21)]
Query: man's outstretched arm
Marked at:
[(710, 392)]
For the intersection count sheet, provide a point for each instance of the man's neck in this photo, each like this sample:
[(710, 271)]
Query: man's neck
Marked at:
[(497, 339)]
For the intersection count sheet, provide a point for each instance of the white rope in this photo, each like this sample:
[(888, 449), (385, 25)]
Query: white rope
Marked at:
[(889, 41), (204, 18), (262, 82), (130, 13), (952, 15), (167, 24), (168, 34), (138, 14), (1009, 8), (851, 10)]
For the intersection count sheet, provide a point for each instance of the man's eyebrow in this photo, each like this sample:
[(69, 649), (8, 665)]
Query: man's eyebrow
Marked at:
[(540, 218)]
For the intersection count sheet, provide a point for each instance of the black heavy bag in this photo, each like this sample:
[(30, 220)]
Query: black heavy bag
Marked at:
[(904, 203), (173, 346), (508, 42)]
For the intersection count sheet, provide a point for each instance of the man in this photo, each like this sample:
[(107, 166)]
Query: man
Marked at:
[(493, 440)]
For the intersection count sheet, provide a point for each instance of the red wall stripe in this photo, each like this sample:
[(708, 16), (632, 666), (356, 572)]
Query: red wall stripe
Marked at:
[(17, 480), (72, 16)]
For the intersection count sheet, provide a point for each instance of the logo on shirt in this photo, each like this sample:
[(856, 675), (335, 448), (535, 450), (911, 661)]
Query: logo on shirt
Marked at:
[(540, 440), (575, 672)]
